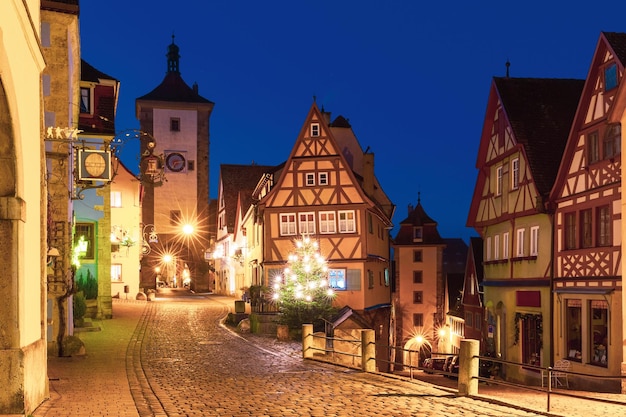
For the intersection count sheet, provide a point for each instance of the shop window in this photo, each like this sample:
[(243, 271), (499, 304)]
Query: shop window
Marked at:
[(599, 320), (573, 321)]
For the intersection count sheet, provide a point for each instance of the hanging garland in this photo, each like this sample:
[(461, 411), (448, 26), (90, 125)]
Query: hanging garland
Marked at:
[(538, 323)]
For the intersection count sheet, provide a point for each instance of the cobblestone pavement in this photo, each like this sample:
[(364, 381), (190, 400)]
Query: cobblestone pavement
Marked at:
[(176, 359)]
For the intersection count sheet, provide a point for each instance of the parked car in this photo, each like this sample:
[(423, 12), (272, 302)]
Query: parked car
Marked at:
[(433, 364), (451, 365)]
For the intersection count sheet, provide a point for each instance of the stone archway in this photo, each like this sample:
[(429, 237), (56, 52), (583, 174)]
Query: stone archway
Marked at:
[(415, 352)]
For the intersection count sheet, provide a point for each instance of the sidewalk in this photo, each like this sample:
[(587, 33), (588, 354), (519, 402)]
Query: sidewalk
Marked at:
[(96, 384)]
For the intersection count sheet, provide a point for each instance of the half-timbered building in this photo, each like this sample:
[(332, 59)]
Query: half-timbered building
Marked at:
[(472, 297), (525, 130), (327, 190), (587, 242)]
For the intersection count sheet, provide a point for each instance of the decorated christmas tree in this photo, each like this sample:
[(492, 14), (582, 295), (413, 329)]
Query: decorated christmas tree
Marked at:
[(302, 290)]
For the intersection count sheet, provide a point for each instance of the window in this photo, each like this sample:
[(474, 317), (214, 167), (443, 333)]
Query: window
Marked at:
[(322, 178), (505, 245), (174, 124), (599, 322), (175, 217), (315, 129), (84, 239), (604, 226), (116, 199), (585, 228), (515, 174), (570, 231), (496, 247), (418, 320), (534, 241), (478, 318), (610, 77), (370, 278), (116, 272), (387, 279), (85, 100), (45, 34), (611, 145), (306, 222), (347, 223), (418, 297), (573, 321), (499, 180), (520, 243), (191, 165), (45, 84), (593, 150), (309, 179), (288, 224), (337, 279), (418, 234), (488, 249), (327, 222), (469, 316), (417, 277), (531, 339), (417, 255)]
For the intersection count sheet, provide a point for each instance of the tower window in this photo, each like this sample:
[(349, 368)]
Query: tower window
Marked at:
[(174, 124)]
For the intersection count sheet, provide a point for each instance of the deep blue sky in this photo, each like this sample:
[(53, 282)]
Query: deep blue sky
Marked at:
[(412, 77)]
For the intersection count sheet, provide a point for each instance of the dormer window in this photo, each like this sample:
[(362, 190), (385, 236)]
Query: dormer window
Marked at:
[(315, 130), (85, 100), (418, 234)]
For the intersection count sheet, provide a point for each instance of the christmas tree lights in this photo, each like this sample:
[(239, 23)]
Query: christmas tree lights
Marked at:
[(302, 289)]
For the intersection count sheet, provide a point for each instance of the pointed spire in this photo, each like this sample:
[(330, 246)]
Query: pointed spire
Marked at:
[(508, 64), (173, 58), (419, 198)]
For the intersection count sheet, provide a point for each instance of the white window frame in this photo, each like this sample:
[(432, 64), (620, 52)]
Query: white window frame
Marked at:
[(86, 100), (116, 273), (534, 241), (519, 246), (287, 224), (322, 178), (505, 245), (306, 223), (309, 179), (116, 199), (488, 249), (347, 224), (515, 174), (499, 171), (496, 247), (327, 220), (338, 279), (315, 130)]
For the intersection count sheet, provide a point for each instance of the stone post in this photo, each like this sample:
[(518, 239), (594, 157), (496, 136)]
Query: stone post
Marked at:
[(307, 341), (368, 351), (468, 367)]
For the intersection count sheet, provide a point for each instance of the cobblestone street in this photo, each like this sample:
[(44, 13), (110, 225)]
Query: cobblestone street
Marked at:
[(172, 357)]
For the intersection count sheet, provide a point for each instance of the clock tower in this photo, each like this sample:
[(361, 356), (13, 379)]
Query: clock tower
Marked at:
[(178, 119)]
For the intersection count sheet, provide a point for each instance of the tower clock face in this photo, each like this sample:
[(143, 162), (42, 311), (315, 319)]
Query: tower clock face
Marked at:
[(95, 164), (175, 162)]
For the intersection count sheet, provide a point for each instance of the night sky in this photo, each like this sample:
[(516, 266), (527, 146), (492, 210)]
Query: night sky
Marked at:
[(412, 77)]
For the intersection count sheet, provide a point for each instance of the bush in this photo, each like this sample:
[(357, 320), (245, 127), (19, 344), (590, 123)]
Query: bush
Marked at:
[(80, 306)]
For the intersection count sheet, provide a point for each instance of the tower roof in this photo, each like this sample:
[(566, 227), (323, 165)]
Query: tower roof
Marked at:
[(173, 88)]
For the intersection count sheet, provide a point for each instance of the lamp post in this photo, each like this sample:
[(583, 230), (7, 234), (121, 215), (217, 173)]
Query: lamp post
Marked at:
[(188, 231)]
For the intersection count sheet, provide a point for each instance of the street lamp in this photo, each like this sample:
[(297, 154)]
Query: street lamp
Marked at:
[(188, 230)]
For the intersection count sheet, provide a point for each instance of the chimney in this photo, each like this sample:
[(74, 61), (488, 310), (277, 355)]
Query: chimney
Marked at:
[(368, 174), (195, 87)]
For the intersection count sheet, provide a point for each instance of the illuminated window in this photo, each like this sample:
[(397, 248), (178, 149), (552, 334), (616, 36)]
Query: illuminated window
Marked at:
[(84, 237), (573, 322), (337, 279), (116, 199), (288, 224), (116, 272), (599, 323)]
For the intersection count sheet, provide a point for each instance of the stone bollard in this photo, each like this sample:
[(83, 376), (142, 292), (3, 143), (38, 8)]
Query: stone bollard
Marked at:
[(368, 351), (468, 367), (307, 341)]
